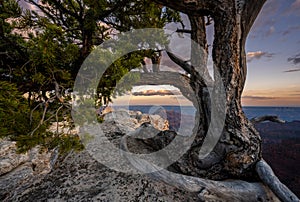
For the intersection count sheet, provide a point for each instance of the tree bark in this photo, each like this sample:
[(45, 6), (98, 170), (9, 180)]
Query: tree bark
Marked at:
[(237, 154), (156, 61), (239, 147)]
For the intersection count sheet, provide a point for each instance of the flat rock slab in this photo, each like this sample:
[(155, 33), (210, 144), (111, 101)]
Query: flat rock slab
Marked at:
[(80, 178)]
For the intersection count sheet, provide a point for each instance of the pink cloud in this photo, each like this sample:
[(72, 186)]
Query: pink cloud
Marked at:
[(257, 97), (156, 92), (292, 70), (258, 55)]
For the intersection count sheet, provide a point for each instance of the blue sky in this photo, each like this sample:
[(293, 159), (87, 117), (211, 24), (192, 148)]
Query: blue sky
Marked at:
[(273, 48), (273, 54)]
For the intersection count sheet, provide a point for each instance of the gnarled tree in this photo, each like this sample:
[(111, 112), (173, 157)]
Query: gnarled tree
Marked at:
[(237, 154)]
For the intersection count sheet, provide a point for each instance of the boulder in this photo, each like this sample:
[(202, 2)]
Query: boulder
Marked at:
[(134, 119)]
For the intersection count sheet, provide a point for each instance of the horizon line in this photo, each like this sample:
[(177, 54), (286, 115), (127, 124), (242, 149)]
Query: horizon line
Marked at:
[(193, 106)]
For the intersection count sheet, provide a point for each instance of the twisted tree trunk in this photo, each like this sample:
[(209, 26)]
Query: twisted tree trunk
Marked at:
[(238, 149)]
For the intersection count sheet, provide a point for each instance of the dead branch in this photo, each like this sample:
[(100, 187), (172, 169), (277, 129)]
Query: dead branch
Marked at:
[(42, 119), (184, 31), (267, 118), (207, 190), (180, 81), (183, 64), (268, 177)]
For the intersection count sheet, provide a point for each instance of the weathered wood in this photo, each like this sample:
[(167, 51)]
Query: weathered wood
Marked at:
[(268, 177), (183, 64), (267, 118), (207, 190), (239, 148)]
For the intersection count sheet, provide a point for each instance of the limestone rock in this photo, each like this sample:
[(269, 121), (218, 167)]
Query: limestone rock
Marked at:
[(79, 177), (10, 159), (17, 169), (134, 119), (158, 122)]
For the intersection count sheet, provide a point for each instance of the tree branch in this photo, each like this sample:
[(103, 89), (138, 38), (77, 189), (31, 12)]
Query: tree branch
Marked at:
[(184, 31), (63, 9), (250, 13), (199, 47), (208, 190), (267, 175), (45, 10), (184, 65), (197, 7), (118, 5), (180, 81), (57, 91), (267, 118)]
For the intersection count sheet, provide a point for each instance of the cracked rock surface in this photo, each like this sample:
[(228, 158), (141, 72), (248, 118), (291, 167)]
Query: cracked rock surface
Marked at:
[(80, 178), (77, 176)]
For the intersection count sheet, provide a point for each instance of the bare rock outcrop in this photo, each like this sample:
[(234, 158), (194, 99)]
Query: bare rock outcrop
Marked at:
[(77, 176), (134, 119), (18, 169)]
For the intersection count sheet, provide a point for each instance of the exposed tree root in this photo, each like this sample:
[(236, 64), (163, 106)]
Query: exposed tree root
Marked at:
[(208, 190), (268, 177)]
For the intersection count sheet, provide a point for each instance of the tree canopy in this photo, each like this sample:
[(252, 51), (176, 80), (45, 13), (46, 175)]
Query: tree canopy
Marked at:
[(43, 48)]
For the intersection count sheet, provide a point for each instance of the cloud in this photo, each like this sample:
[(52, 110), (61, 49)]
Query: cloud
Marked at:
[(264, 25), (293, 9), (292, 70), (294, 94), (156, 92), (295, 59), (257, 97), (290, 29), (258, 55)]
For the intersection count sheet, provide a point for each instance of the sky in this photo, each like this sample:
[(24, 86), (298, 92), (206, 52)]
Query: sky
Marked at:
[(273, 60), (273, 54), (273, 50)]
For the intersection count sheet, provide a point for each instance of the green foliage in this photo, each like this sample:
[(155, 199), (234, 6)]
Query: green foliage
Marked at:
[(18, 121), (42, 51), (12, 111)]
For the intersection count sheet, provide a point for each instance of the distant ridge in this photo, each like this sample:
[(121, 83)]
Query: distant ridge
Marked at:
[(286, 113)]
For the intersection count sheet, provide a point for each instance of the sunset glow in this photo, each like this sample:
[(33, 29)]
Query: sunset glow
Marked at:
[(273, 59)]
